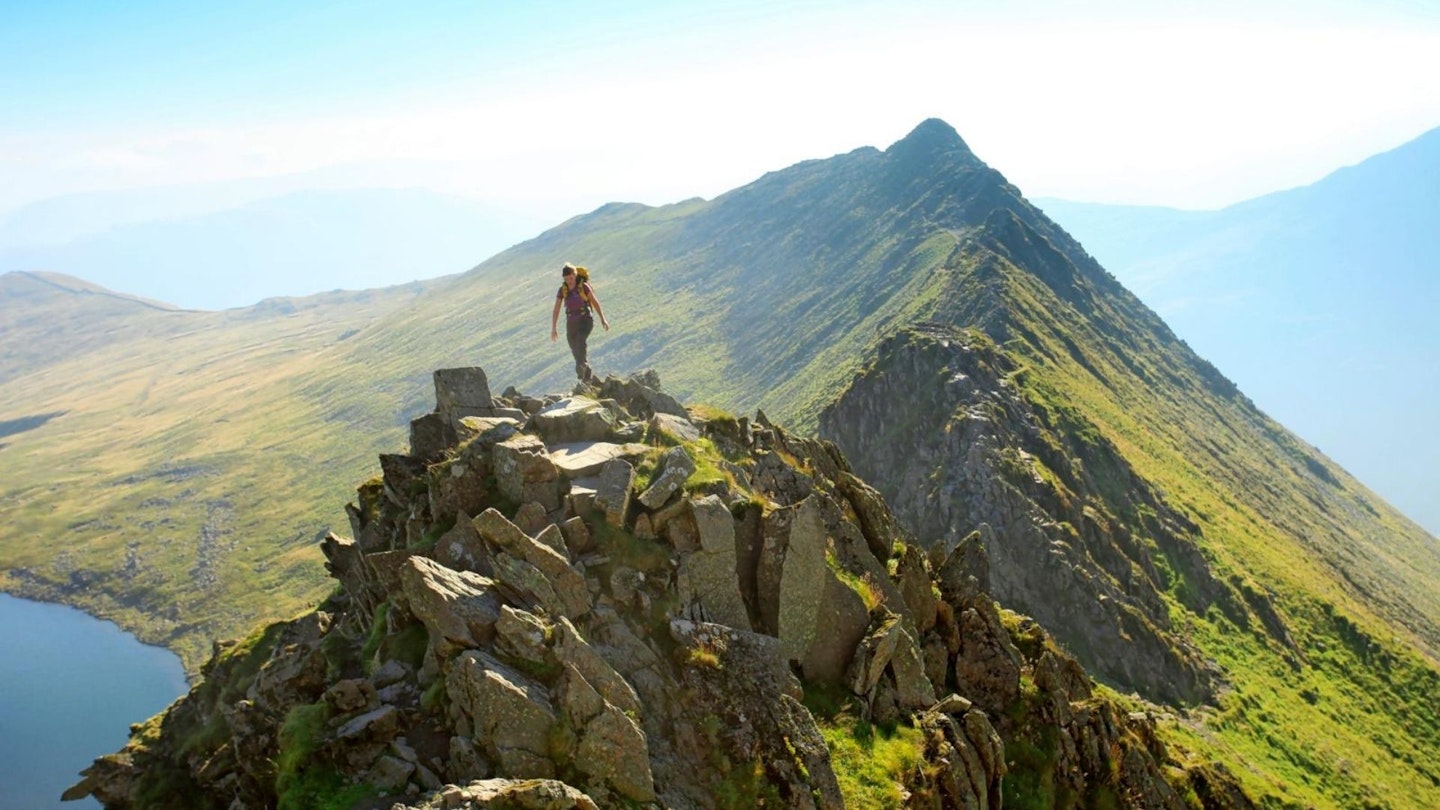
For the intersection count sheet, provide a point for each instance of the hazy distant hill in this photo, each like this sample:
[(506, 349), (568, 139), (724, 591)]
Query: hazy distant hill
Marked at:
[(1319, 302), (182, 486), (296, 244)]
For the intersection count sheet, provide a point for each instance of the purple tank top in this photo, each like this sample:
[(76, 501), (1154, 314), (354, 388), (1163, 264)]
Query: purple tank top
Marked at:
[(575, 304)]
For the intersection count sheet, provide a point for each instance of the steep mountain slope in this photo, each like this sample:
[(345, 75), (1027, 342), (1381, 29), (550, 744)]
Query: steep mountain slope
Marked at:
[(1300, 296), (296, 244), (1215, 538)]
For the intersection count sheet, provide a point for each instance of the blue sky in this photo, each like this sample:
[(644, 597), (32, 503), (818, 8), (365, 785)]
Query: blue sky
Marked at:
[(572, 104)]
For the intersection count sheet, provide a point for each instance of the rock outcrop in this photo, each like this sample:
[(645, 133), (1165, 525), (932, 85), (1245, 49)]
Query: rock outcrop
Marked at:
[(693, 627), (1073, 535)]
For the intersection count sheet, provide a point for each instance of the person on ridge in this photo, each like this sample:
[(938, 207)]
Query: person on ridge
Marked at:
[(578, 297)]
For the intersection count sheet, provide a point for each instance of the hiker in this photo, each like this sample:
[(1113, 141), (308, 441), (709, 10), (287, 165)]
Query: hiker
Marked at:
[(578, 297)]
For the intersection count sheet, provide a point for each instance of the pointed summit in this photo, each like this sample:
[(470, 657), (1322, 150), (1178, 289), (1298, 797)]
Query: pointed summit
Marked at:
[(932, 138)]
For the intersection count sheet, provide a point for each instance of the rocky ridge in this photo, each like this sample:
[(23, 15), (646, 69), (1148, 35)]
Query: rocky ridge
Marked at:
[(609, 600), (1075, 537)]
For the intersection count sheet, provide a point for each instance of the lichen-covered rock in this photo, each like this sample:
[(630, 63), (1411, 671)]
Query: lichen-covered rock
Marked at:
[(511, 713), (524, 471), (567, 583), (458, 606), (500, 657), (506, 794), (675, 466), (612, 493), (708, 575), (574, 419), (462, 392)]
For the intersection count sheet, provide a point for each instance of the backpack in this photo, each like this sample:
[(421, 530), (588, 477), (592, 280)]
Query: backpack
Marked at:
[(582, 277)]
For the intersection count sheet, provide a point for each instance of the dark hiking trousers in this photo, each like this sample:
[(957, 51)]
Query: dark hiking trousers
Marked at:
[(577, 331)]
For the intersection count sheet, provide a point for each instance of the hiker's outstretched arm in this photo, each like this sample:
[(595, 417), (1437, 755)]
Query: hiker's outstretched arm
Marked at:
[(595, 302), (554, 317)]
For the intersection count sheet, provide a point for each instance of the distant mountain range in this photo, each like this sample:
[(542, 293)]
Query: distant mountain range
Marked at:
[(299, 243), (1319, 302), (171, 469)]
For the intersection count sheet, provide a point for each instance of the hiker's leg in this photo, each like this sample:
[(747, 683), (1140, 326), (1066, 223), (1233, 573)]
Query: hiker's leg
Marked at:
[(582, 365), (575, 334)]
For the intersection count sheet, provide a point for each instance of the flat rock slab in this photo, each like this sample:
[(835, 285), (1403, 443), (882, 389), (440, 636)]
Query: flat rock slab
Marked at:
[(585, 459)]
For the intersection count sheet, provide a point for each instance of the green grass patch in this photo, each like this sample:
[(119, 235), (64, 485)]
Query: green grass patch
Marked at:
[(872, 765)]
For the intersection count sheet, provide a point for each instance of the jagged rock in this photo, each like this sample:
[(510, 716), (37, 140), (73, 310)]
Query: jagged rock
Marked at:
[(581, 500), (675, 467), (350, 696), (587, 459), (576, 419), (380, 724), (753, 692), (876, 521), (531, 518), (346, 562), (524, 472), (610, 748), (462, 392), (677, 426), (612, 493), (708, 576), (915, 586), (401, 474), (429, 436), (892, 646), (507, 794), (818, 618), (524, 584), (521, 635), (512, 714), (466, 762), (640, 394), (577, 536), (987, 664), (551, 537), (462, 549), (567, 583), (968, 758), (572, 650), (840, 622), (390, 773), (458, 606), (490, 429)]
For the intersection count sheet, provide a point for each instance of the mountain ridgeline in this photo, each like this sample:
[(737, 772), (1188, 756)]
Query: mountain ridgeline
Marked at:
[(999, 388), (653, 607)]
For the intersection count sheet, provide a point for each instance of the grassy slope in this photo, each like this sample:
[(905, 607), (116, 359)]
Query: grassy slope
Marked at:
[(1355, 725), (181, 487)]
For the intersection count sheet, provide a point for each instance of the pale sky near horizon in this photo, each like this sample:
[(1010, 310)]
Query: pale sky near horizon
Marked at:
[(1190, 105)]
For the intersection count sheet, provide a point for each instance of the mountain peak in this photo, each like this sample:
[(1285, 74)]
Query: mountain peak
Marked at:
[(932, 137)]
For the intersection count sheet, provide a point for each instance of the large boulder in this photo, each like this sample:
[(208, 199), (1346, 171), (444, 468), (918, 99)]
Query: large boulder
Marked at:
[(568, 584), (524, 472), (574, 419), (512, 715), (892, 646), (708, 577), (462, 392), (458, 606), (612, 491), (587, 458), (610, 748)]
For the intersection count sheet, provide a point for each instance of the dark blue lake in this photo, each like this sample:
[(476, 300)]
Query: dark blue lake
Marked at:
[(70, 686)]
